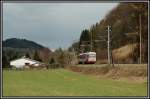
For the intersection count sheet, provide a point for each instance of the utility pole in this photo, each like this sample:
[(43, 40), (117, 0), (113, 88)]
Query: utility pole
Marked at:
[(140, 39), (74, 55), (108, 43), (73, 52)]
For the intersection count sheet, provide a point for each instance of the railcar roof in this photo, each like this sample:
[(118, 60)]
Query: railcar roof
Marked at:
[(88, 53)]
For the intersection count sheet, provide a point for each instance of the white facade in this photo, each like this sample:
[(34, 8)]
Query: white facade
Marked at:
[(19, 63), (92, 56)]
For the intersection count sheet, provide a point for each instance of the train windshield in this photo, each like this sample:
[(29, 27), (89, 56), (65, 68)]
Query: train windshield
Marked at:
[(92, 55)]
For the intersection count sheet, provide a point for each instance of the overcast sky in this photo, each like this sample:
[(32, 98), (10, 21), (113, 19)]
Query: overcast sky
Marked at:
[(53, 25)]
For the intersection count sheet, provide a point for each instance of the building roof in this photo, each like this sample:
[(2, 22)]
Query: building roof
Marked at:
[(87, 53), (27, 59)]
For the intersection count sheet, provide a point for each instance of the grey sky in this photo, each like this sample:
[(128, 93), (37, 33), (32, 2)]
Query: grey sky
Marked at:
[(51, 24)]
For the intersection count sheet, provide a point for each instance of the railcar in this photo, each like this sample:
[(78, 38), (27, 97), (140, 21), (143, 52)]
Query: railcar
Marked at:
[(87, 58)]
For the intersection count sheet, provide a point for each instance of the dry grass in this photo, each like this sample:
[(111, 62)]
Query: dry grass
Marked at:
[(121, 70), (124, 52)]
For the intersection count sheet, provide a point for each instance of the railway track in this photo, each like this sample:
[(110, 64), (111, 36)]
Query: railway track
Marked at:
[(116, 65)]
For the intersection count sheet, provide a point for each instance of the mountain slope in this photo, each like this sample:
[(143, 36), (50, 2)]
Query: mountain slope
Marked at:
[(124, 22), (21, 43)]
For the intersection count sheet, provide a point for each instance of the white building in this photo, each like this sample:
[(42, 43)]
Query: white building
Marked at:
[(21, 62)]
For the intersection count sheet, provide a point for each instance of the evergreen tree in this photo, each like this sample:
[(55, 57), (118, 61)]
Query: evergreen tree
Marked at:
[(52, 61), (84, 43), (5, 62), (27, 55), (36, 56)]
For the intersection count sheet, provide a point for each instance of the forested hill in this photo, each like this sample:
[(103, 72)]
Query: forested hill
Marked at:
[(21, 43), (124, 20)]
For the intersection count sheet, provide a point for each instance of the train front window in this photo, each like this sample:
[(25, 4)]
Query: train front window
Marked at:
[(92, 55)]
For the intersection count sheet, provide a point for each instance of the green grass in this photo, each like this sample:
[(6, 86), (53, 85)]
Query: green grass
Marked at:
[(61, 82)]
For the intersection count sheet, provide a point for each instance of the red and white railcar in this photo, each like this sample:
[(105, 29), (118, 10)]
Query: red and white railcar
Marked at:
[(87, 58)]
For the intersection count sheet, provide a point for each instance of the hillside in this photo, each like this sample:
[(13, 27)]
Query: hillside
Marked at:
[(126, 54), (124, 20), (21, 43)]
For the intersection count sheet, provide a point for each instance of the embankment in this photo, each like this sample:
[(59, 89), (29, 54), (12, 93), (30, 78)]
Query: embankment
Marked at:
[(118, 71)]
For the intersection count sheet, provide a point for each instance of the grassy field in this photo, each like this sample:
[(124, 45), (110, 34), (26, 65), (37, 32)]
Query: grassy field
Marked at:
[(61, 82)]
